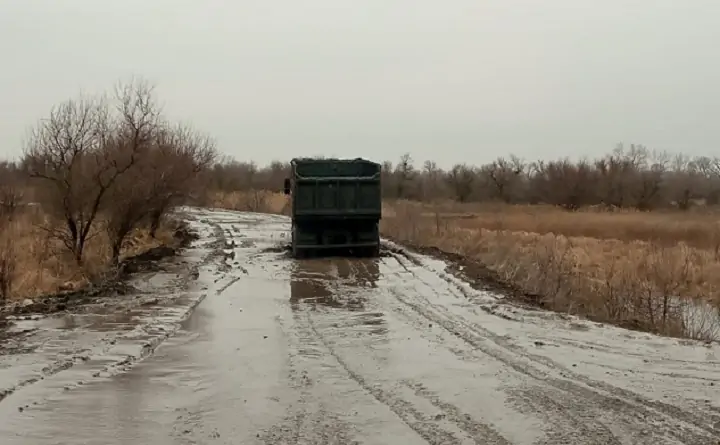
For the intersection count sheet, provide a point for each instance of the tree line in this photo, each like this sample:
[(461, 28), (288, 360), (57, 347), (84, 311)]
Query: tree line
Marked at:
[(627, 177)]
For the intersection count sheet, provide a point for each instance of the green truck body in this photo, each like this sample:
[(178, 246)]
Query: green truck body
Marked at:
[(336, 204)]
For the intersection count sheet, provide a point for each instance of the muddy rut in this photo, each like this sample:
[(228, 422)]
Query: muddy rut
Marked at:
[(393, 350)]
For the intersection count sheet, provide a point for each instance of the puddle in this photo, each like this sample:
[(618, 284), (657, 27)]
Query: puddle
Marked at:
[(120, 321)]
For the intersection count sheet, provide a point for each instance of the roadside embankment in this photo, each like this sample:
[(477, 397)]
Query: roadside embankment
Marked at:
[(39, 275)]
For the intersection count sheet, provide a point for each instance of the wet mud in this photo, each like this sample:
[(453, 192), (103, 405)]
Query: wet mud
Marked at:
[(241, 344)]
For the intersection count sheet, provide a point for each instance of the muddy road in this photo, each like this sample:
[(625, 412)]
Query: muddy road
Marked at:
[(239, 344)]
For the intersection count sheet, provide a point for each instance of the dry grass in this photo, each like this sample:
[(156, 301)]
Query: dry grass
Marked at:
[(698, 229), (260, 201), (41, 265), (649, 271)]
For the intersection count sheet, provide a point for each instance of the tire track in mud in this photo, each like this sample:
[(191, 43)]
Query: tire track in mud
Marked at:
[(447, 427), (428, 429), (578, 427), (568, 427), (665, 408), (668, 409), (479, 432), (580, 419), (306, 418), (673, 411), (581, 391)]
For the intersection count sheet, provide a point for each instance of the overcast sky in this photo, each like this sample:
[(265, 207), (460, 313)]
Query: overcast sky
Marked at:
[(452, 81)]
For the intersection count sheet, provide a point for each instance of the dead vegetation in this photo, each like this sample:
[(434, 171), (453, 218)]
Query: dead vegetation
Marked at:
[(642, 271), (98, 175), (261, 201)]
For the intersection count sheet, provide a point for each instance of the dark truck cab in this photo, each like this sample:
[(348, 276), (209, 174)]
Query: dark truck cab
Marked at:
[(336, 204)]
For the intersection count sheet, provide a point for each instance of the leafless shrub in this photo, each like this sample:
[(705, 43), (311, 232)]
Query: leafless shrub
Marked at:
[(165, 175), (461, 179), (229, 175), (180, 156), (10, 200), (114, 160), (701, 321), (74, 152), (7, 267), (11, 194)]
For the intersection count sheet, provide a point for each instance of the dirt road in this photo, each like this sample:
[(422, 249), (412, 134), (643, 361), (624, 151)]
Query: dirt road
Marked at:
[(393, 350)]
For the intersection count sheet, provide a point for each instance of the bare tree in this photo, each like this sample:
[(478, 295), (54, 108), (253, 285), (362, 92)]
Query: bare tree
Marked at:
[(565, 184), (503, 177), (82, 149), (461, 179), (404, 174), (431, 181), (231, 175), (9, 202), (181, 155), (389, 189), (7, 267), (131, 204), (684, 182), (67, 151), (11, 194), (709, 169)]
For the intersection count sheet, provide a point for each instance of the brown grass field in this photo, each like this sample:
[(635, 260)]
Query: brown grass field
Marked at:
[(658, 272), (40, 265)]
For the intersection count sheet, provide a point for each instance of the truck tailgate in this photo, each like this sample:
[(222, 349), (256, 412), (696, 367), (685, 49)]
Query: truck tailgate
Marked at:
[(341, 196)]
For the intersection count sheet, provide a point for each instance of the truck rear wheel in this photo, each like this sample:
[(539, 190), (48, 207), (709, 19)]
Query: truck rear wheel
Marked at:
[(298, 253), (370, 252)]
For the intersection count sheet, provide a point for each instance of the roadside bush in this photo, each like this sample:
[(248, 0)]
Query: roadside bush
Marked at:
[(113, 159), (103, 171)]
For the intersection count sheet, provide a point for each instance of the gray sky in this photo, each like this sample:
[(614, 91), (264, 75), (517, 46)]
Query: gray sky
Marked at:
[(461, 80)]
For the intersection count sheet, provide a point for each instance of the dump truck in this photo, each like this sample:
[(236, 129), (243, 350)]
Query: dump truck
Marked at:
[(336, 204)]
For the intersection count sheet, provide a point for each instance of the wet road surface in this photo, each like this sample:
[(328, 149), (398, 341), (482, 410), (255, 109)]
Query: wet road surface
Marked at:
[(392, 350)]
